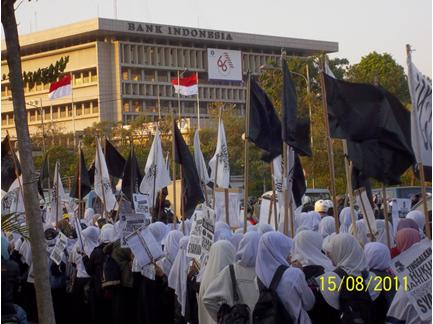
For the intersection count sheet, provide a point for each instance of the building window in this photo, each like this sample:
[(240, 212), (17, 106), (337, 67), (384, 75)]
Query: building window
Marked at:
[(95, 108), (137, 106), (78, 109), (126, 106), (125, 75), (63, 112), (136, 75), (47, 114), (86, 108), (55, 113), (69, 108)]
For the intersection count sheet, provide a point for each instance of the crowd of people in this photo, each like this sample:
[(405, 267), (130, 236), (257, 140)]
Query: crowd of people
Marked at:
[(257, 276)]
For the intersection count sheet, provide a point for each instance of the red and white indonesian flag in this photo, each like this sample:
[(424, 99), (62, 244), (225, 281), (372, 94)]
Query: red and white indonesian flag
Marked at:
[(186, 86), (61, 88)]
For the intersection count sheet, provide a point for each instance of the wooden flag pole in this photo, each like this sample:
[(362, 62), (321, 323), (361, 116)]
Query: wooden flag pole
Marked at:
[(226, 205), (215, 180), (274, 196), (286, 193), (247, 135), (419, 163), (57, 192), (329, 146), (364, 210), (348, 168), (80, 203), (385, 212), (198, 104), (173, 147)]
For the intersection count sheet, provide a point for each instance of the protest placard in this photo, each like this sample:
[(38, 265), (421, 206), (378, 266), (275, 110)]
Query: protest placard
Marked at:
[(202, 232), (231, 197), (141, 204), (144, 246), (130, 223), (413, 268), (58, 251), (367, 211), (399, 209)]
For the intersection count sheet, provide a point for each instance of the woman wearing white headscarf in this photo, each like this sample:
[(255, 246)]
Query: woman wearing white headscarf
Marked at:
[(292, 290), (89, 240), (419, 219), (307, 251), (263, 228), (345, 220), (362, 234), (171, 247), (221, 254), (235, 239), (94, 264), (381, 232), (327, 226), (220, 290), (177, 278), (159, 231)]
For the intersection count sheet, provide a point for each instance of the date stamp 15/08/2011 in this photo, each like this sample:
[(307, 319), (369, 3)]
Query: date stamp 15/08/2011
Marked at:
[(358, 283)]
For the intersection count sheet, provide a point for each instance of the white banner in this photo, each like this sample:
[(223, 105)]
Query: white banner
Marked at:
[(141, 204), (413, 268), (367, 211), (130, 223), (234, 206), (144, 247), (399, 209), (224, 64), (202, 232)]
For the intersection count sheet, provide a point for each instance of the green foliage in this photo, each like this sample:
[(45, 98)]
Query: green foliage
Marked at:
[(48, 74), (11, 223), (384, 70)]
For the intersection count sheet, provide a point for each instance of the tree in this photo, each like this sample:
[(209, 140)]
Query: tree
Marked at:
[(384, 70), (30, 188)]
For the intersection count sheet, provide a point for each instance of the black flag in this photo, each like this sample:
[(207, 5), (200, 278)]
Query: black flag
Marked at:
[(115, 161), (265, 126), (8, 162), (376, 125), (91, 172), (43, 175), (298, 185), (82, 179), (131, 176), (192, 193), (359, 180)]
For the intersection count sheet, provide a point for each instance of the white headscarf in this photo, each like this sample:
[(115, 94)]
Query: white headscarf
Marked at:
[(221, 254), (419, 218), (221, 225), (178, 274), (107, 234), (88, 215), (90, 239), (378, 256), (274, 249), (327, 226), (361, 232), (346, 253), (222, 234), (263, 228), (381, 237), (308, 220), (158, 230), (247, 252), (345, 220), (171, 247), (235, 239), (307, 247)]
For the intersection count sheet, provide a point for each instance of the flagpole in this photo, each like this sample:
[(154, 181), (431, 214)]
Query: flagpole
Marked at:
[(215, 180), (274, 196), (198, 104), (247, 135), (80, 207), (74, 111), (98, 145), (173, 146), (419, 163), (364, 210), (348, 168), (57, 191), (329, 146)]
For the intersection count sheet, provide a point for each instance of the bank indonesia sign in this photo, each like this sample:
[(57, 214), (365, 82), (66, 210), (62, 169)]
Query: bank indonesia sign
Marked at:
[(224, 64)]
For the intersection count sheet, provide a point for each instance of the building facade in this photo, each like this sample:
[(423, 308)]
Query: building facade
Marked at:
[(122, 69)]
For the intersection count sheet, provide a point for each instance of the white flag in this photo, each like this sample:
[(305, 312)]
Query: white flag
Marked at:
[(221, 154), (421, 123), (58, 195), (102, 180), (199, 160), (12, 201), (156, 175)]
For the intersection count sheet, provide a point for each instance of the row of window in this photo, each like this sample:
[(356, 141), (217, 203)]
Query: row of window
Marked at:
[(55, 112), (78, 78), (205, 92), (180, 57)]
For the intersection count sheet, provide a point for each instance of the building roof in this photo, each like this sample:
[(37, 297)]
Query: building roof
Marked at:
[(100, 28)]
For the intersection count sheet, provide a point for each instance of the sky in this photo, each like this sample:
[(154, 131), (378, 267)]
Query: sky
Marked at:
[(359, 26)]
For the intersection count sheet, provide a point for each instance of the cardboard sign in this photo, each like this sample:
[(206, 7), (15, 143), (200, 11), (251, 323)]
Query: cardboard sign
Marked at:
[(413, 268), (58, 251), (399, 209), (144, 246), (367, 211), (202, 232), (141, 204), (233, 197), (130, 223)]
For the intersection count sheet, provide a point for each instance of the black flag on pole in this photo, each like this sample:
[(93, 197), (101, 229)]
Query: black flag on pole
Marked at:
[(91, 172), (132, 176), (191, 190), (115, 161), (298, 187), (9, 174), (82, 179), (43, 175)]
